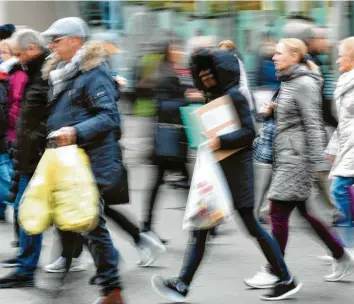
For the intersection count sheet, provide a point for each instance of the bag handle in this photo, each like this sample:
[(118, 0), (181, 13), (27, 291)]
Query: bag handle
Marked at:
[(203, 149)]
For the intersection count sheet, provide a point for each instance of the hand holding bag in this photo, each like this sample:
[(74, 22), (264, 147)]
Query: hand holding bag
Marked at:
[(209, 200)]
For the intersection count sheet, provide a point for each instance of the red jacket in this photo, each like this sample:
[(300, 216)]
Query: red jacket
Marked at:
[(17, 84)]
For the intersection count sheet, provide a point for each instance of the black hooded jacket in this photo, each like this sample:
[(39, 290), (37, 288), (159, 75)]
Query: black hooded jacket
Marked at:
[(225, 68), (238, 168)]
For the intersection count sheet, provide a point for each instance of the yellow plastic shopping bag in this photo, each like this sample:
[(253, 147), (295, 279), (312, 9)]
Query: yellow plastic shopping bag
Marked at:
[(36, 204), (75, 193)]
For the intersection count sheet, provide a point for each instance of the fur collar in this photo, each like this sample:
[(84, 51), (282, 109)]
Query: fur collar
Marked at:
[(95, 55)]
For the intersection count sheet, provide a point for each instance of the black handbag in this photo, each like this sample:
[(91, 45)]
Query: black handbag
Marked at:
[(117, 193), (170, 142)]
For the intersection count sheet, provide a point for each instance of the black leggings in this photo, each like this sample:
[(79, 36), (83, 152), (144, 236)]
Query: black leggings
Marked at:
[(123, 222), (159, 181), (268, 246), (73, 243)]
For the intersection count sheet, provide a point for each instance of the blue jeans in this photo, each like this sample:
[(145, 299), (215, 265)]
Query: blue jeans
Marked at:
[(5, 180), (105, 255), (30, 245), (101, 247), (100, 244), (340, 193)]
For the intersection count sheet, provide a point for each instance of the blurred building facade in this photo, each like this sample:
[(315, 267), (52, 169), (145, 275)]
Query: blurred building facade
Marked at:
[(245, 22), (36, 14)]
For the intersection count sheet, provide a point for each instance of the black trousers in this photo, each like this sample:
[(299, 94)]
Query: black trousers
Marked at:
[(269, 247), (161, 169)]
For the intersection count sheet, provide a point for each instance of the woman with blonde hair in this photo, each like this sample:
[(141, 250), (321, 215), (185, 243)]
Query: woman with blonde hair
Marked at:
[(227, 45), (298, 148)]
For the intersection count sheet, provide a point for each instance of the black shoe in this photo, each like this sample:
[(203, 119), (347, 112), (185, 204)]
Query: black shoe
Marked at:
[(10, 263), (282, 290), (2, 219), (16, 281), (173, 289)]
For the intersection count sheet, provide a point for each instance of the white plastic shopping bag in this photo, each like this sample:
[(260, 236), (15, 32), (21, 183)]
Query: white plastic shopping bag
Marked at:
[(209, 200)]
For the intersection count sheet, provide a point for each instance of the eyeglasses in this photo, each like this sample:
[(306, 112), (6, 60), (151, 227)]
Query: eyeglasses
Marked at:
[(56, 39)]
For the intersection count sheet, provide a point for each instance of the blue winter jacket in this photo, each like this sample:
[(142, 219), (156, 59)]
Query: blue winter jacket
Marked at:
[(89, 104)]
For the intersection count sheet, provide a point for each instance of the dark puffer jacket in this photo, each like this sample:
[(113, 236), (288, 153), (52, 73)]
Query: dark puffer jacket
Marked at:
[(31, 126), (89, 104), (238, 168)]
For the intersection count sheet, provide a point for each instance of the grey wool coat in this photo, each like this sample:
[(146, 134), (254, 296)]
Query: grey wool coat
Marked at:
[(300, 138)]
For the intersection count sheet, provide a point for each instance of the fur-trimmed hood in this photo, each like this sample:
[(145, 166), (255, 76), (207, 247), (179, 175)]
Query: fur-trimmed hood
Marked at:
[(94, 56)]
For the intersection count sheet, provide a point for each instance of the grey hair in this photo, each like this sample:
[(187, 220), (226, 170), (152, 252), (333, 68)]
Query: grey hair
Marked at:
[(348, 44), (25, 37)]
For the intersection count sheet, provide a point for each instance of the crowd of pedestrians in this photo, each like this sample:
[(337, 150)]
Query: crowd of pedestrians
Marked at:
[(61, 80)]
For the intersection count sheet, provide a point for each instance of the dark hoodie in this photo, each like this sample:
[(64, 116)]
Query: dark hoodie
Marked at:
[(238, 168), (225, 68)]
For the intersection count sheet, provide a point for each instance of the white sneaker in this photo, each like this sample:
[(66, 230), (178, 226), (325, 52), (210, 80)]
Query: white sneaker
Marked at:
[(341, 268), (144, 255), (59, 266), (350, 251), (262, 280), (327, 259), (149, 248)]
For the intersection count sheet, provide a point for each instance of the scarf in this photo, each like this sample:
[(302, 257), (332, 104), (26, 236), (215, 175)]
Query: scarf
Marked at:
[(6, 66), (66, 71)]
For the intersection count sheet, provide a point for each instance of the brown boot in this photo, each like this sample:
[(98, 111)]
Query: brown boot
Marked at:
[(114, 297)]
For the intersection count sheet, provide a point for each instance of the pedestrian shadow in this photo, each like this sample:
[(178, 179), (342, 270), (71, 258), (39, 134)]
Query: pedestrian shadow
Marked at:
[(345, 282), (181, 208), (153, 267)]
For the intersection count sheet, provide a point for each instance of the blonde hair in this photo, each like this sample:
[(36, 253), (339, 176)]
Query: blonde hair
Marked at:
[(348, 44), (228, 44), (297, 46)]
